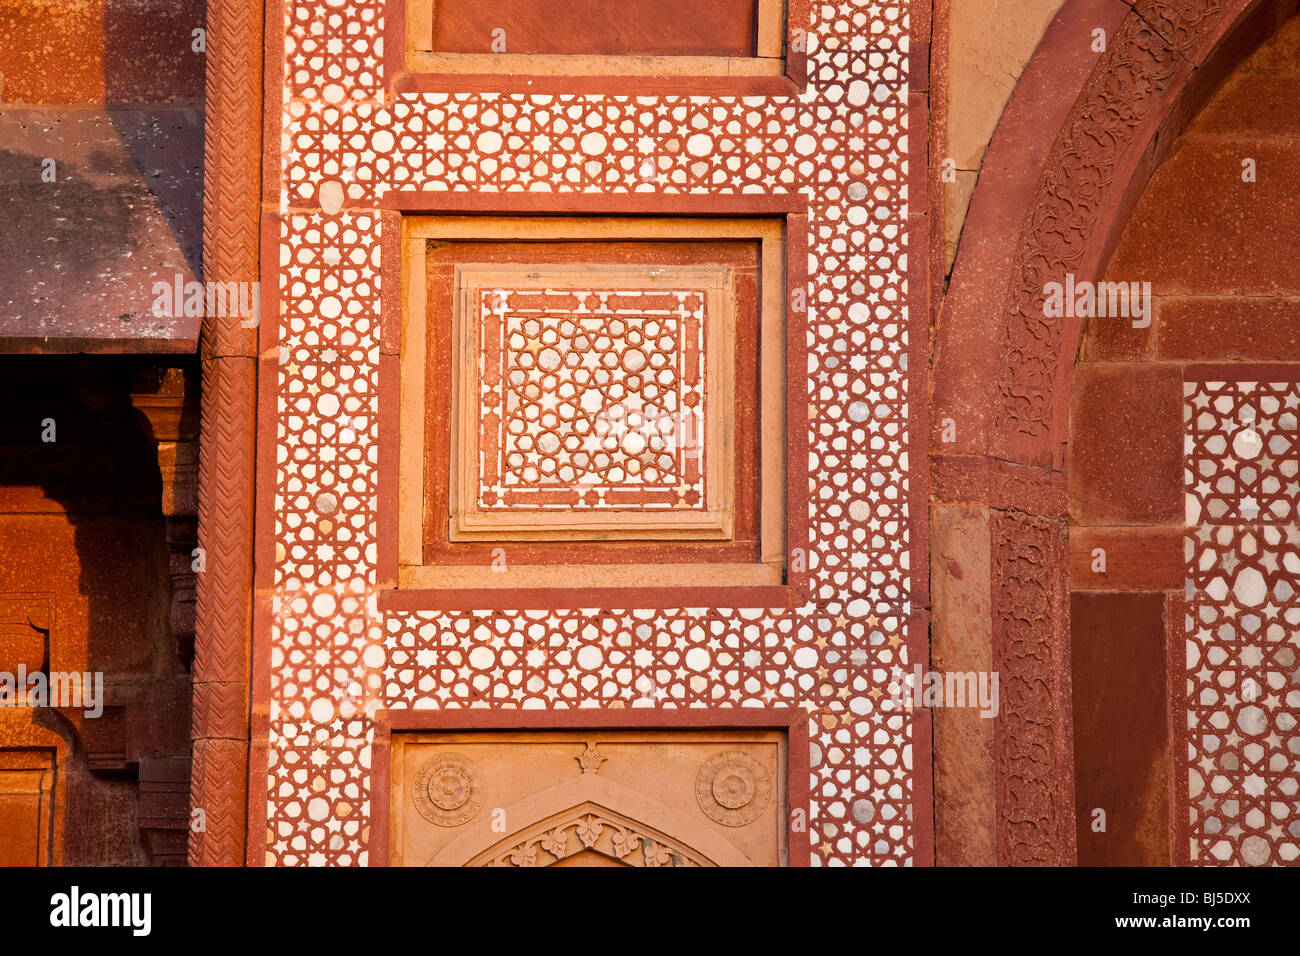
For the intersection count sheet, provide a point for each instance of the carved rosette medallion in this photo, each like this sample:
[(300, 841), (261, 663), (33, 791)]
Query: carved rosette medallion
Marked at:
[(733, 788), (448, 790)]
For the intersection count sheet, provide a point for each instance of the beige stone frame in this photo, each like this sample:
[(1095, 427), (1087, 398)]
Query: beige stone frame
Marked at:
[(770, 233), (469, 844), (769, 61), (468, 523)]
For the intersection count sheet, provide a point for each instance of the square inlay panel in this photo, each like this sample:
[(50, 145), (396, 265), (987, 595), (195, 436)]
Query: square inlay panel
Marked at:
[(597, 398)]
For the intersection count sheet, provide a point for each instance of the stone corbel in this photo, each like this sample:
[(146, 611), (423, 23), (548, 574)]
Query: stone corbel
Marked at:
[(167, 397)]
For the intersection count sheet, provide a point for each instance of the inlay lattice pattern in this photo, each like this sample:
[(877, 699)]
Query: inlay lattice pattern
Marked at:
[(1243, 622), (591, 399), (839, 147), (1242, 450)]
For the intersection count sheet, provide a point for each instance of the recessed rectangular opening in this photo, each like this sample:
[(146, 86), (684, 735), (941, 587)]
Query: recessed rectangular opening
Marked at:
[(597, 37), (26, 806), (595, 27)]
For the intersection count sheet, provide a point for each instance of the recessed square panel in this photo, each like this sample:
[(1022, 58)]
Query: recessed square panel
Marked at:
[(590, 401)]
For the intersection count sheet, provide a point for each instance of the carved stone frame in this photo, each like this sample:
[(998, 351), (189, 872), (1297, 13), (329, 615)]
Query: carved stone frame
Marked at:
[(1072, 152), (793, 722), (780, 66), (779, 448), (777, 223)]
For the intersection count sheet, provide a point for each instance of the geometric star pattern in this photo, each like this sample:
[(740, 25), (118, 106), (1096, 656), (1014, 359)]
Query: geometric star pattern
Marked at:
[(839, 145), (1241, 676), (591, 399)]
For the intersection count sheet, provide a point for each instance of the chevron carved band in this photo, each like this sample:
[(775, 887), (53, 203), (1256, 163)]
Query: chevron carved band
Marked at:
[(232, 166)]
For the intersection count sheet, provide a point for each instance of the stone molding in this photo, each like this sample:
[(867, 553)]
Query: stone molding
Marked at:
[(223, 614)]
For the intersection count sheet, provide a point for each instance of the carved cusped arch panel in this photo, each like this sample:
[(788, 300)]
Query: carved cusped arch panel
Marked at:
[(611, 798), (592, 814), (590, 834)]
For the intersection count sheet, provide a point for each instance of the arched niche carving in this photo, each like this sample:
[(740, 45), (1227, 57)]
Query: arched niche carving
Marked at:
[(590, 813)]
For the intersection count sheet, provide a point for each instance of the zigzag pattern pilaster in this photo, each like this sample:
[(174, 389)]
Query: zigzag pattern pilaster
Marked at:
[(232, 163)]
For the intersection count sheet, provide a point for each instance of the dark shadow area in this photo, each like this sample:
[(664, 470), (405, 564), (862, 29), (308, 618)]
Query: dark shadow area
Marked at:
[(80, 518)]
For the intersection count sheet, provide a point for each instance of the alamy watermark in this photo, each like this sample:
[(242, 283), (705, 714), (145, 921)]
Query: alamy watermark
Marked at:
[(66, 689), (1101, 300), (922, 688), (212, 299), (634, 431), (74, 909)]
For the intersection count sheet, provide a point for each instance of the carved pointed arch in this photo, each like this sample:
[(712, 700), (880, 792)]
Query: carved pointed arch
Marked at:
[(590, 830), (591, 814), (1073, 150)]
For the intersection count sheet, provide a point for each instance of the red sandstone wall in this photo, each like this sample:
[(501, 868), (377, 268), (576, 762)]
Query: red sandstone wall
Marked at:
[(113, 91), (1220, 255), (100, 52)]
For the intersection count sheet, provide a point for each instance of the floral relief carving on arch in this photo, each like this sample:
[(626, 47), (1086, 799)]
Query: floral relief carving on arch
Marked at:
[(1080, 179), (593, 829), (1009, 403)]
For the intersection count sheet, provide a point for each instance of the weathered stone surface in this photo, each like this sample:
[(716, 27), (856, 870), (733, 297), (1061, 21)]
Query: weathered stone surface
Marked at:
[(100, 52), (989, 44), (1246, 329), (83, 251), (1120, 728), (1126, 445), (965, 802), (1133, 558), (1197, 227)]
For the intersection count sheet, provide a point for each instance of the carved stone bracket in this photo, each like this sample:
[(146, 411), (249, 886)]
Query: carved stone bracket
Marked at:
[(168, 399)]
